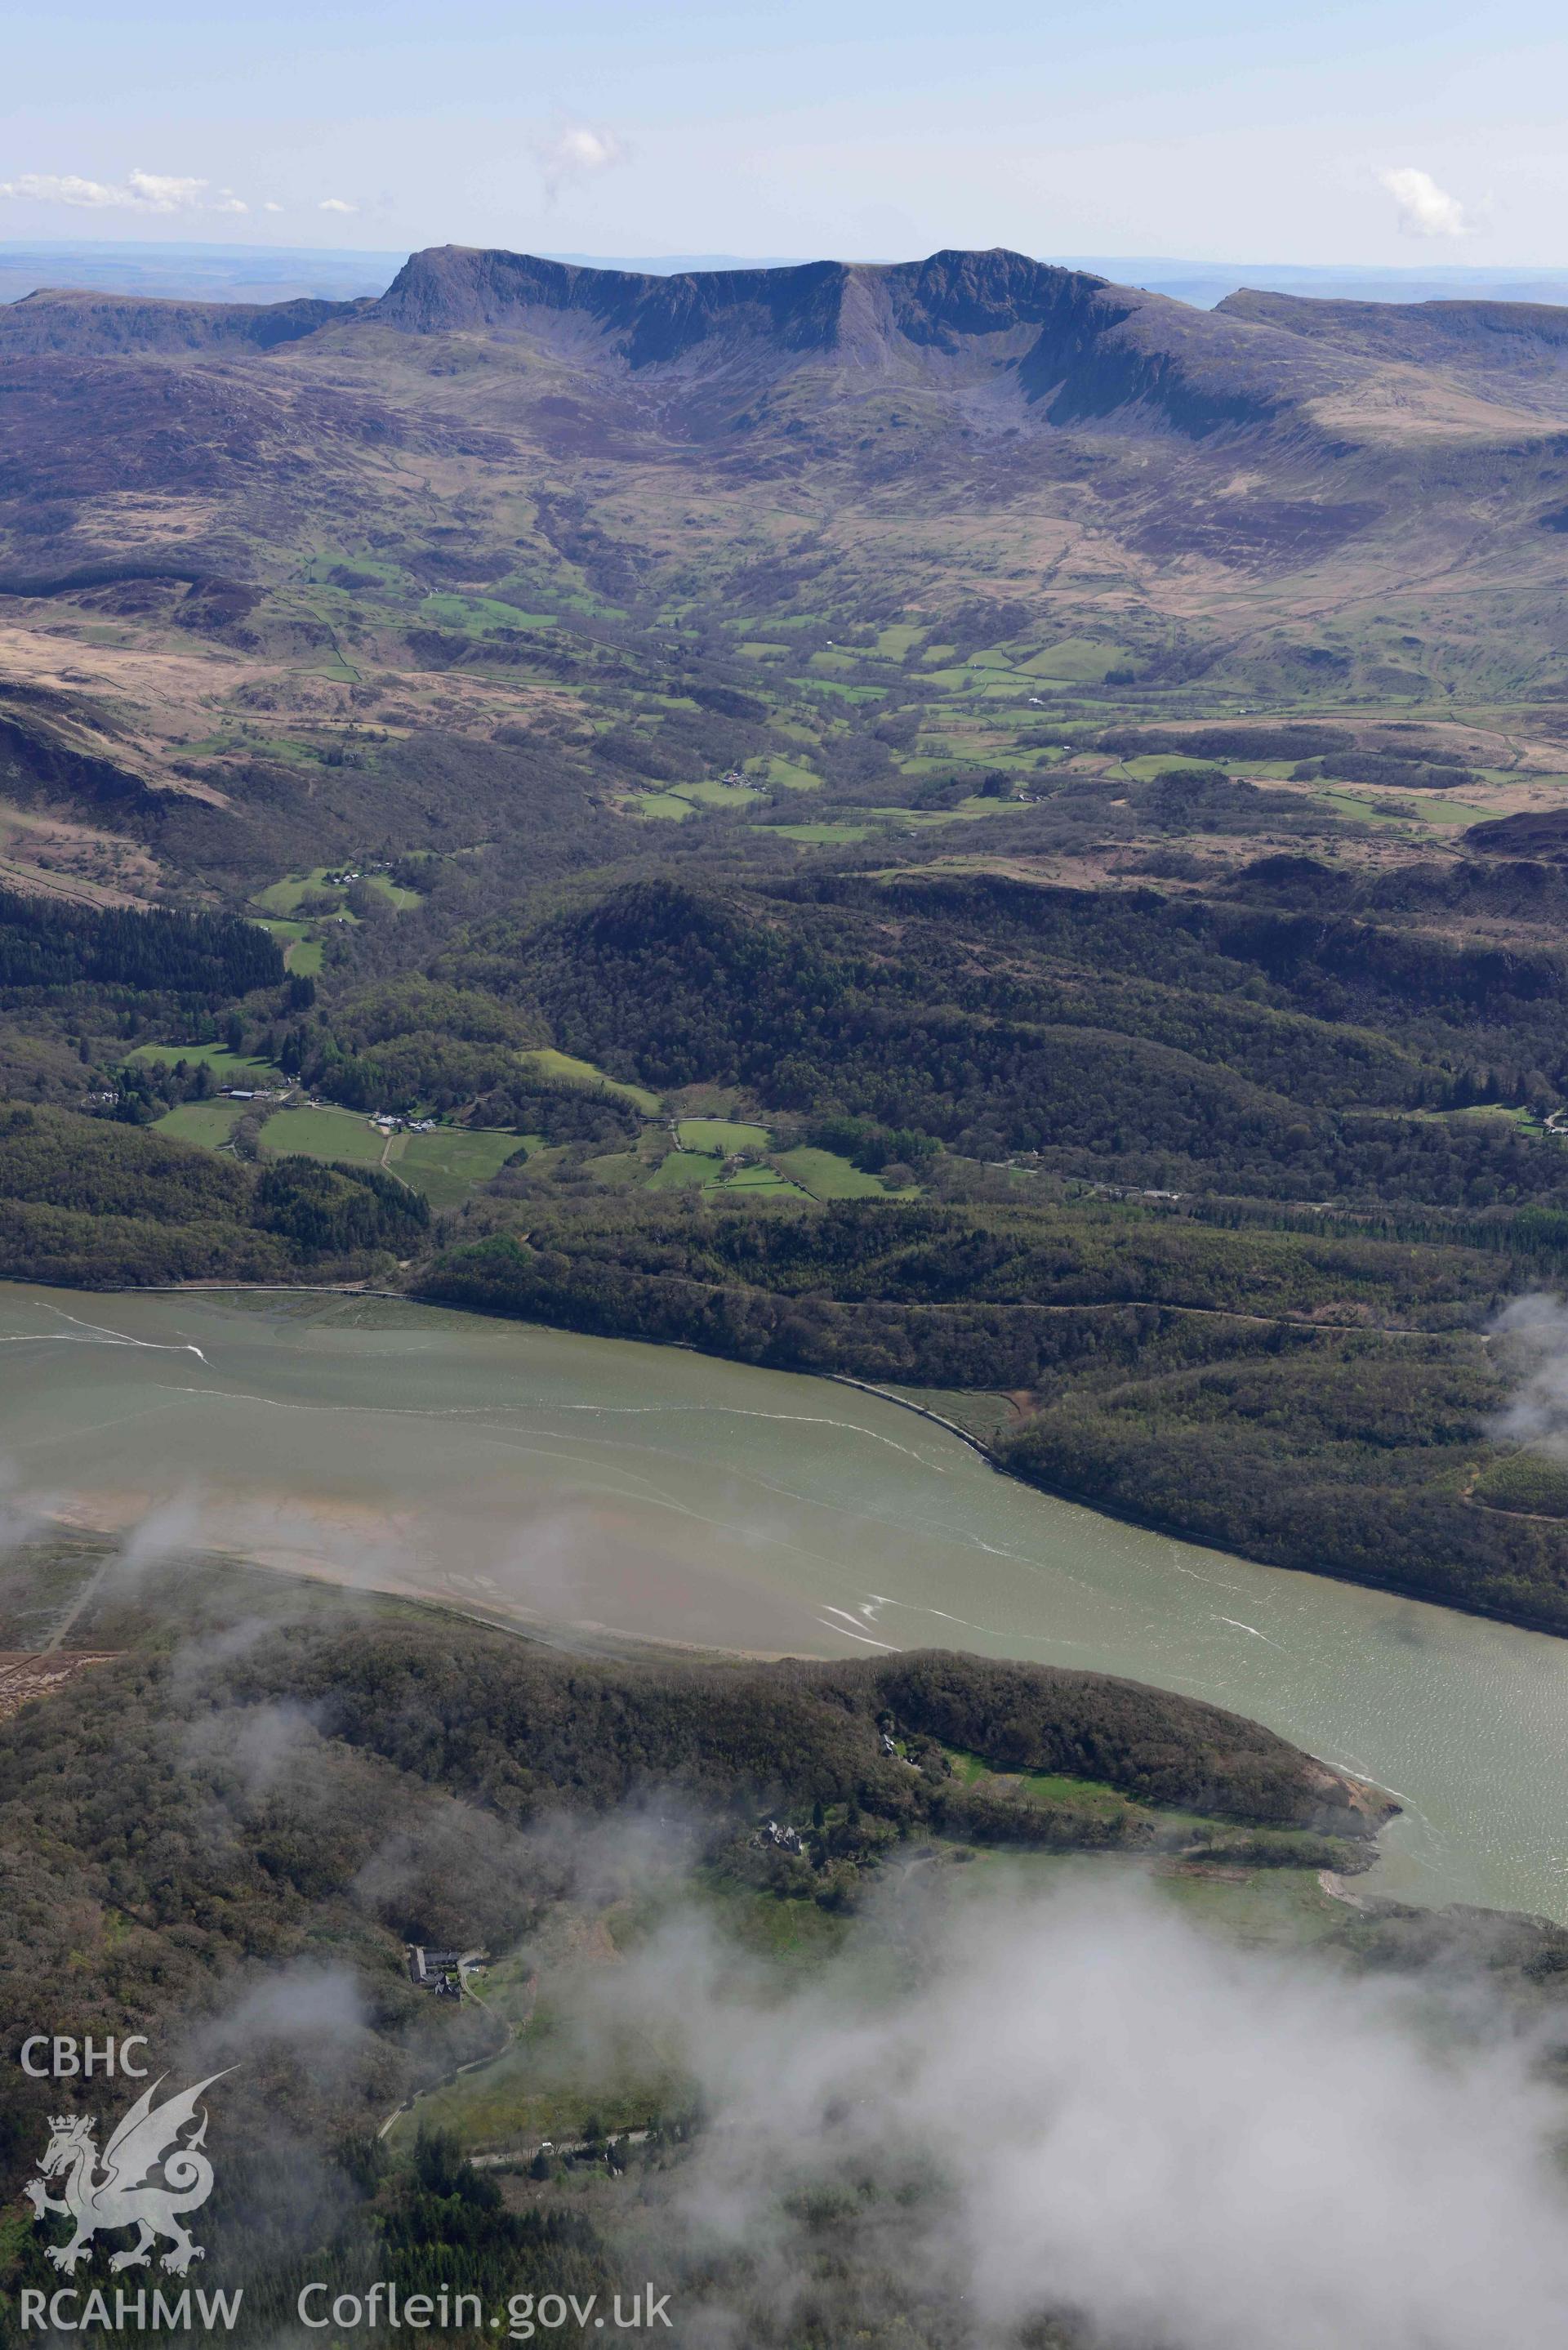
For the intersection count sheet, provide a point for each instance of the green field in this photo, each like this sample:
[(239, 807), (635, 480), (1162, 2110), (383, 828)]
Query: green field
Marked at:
[(479, 614), (788, 773), (1150, 763), (662, 804), (758, 1179), (967, 812), (1423, 809), (301, 947), (826, 1176), (1455, 812), (1076, 660), (551, 1063), (616, 1168), (1517, 1113), (326, 560), (713, 794), (247, 738), (448, 1164), (722, 1134), (1364, 811), (210, 1123), (283, 897), (393, 891), (345, 1134), (683, 1169), (822, 836)]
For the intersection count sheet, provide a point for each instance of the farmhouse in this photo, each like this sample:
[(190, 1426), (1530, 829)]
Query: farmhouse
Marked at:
[(441, 1971)]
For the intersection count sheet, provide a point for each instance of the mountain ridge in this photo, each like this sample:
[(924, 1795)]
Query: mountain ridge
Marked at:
[(1058, 346), (1067, 345)]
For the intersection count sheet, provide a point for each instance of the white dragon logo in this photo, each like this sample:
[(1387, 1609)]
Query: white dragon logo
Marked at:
[(122, 2194)]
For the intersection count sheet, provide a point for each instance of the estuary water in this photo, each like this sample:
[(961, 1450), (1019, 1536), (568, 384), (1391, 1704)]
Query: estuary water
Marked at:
[(548, 1479)]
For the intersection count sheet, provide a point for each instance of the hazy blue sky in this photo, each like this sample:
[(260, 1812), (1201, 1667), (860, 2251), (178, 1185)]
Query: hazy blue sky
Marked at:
[(1354, 130)]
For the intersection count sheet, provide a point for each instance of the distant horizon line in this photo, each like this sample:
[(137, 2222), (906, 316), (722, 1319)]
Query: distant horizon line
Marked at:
[(151, 248)]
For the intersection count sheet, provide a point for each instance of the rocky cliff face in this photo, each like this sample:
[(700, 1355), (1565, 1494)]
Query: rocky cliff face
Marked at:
[(1067, 344), (644, 320)]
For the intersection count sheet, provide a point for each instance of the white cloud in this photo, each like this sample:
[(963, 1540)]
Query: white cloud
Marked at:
[(335, 205), (1532, 1340), (1424, 208), (140, 191), (160, 192), (270, 207), (586, 150), (575, 153), (1083, 2102), (62, 188)]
